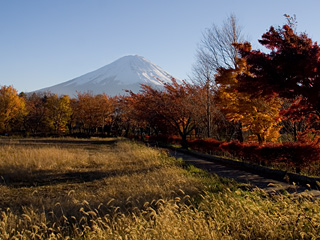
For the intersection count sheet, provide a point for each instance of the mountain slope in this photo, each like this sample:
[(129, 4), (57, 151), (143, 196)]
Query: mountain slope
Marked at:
[(113, 79)]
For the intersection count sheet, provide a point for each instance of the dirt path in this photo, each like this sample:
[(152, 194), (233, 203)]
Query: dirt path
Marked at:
[(243, 176)]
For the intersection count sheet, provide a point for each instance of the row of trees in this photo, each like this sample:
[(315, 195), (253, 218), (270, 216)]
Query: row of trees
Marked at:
[(46, 113), (237, 93), (178, 109)]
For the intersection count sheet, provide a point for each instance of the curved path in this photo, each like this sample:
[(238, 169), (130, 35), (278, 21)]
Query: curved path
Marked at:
[(242, 175)]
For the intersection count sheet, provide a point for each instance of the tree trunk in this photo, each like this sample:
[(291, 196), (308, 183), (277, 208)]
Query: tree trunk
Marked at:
[(103, 132), (295, 131), (208, 109), (238, 132), (184, 142), (260, 140)]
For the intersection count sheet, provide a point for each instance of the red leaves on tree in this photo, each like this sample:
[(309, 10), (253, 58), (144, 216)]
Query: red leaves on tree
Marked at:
[(170, 109), (291, 70)]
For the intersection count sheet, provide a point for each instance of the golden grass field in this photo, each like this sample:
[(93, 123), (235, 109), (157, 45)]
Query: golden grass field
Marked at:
[(107, 189)]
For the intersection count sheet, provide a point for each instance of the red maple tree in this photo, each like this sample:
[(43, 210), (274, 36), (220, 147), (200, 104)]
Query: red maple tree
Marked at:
[(290, 70)]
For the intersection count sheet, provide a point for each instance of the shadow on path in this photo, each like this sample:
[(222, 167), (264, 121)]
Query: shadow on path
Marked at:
[(268, 184)]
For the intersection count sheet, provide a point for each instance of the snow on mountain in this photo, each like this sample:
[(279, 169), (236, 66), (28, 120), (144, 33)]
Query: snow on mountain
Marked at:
[(126, 73)]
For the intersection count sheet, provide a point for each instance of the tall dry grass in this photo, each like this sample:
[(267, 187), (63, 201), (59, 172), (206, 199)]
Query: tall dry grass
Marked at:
[(129, 191)]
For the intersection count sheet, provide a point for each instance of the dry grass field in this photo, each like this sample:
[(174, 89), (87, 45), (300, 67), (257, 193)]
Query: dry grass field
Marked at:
[(114, 189)]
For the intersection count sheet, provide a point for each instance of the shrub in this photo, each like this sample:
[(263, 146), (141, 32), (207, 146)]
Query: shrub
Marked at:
[(242, 151), (167, 139), (296, 156), (205, 145)]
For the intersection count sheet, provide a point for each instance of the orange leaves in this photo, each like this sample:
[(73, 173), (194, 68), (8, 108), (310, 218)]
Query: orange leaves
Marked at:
[(258, 115), (11, 105), (93, 111)]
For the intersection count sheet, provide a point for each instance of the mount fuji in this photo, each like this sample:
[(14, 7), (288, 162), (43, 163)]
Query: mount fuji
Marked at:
[(126, 73)]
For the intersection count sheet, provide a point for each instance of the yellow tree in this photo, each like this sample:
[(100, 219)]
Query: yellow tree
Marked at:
[(258, 115), (11, 106), (59, 112)]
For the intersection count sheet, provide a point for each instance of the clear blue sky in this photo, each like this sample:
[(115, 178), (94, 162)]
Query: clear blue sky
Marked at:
[(46, 42)]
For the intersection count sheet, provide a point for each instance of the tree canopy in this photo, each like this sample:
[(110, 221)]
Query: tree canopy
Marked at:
[(11, 105), (291, 69)]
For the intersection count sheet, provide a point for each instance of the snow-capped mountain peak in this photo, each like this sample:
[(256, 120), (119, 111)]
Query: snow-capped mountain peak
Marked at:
[(126, 73)]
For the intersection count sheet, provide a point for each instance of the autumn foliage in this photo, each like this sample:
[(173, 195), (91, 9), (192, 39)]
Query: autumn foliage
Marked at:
[(11, 106), (173, 108), (291, 70), (264, 108), (259, 115), (208, 145), (288, 156)]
